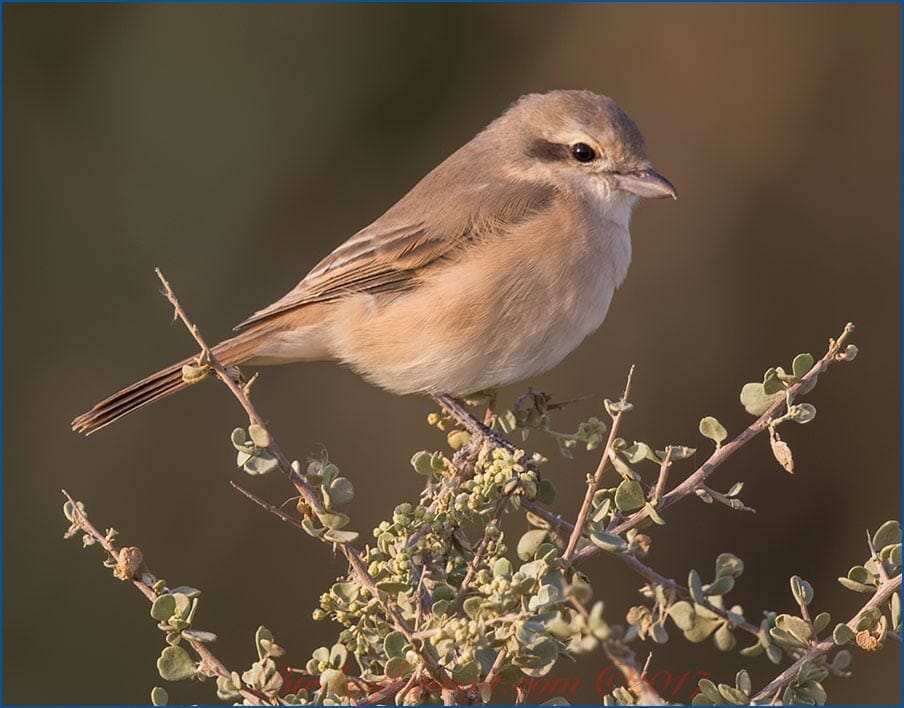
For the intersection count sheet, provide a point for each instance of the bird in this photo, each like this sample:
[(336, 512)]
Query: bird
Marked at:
[(489, 271)]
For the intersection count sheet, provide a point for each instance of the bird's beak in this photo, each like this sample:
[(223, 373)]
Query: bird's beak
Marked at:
[(645, 183)]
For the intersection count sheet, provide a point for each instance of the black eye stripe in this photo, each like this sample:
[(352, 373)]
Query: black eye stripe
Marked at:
[(547, 151)]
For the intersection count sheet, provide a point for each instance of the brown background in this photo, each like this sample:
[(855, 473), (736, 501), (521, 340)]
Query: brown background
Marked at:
[(234, 146)]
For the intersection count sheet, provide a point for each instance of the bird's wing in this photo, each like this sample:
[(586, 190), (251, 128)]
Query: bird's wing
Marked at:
[(390, 254)]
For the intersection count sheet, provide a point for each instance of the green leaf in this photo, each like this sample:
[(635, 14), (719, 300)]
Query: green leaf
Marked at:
[(683, 615), (608, 542), (729, 565), (713, 429), (174, 664), (658, 634), (547, 595), (772, 384), (70, 510), (310, 529), (340, 536), (888, 533), (259, 435), (855, 586), (333, 680), (653, 514), (239, 440), (702, 628), (676, 452), (842, 660), (811, 692), (755, 399), (466, 674), (842, 634), (546, 492), (794, 626), (850, 352), (159, 697), (821, 621), (391, 587), (199, 635), (163, 607), (709, 690), (472, 607), (802, 364), (742, 681), (720, 586), (802, 413), (260, 636), (394, 644), (530, 542), (262, 463), (724, 639), (802, 590), (639, 451), (696, 586), (333, 519), (629, 496), (732, 695), (341, 491), (421, 461)]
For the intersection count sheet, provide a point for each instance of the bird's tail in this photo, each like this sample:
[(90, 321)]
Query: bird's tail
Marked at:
[(160, 385)]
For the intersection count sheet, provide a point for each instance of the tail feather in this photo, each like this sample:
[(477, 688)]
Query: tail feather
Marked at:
[(156, 386)]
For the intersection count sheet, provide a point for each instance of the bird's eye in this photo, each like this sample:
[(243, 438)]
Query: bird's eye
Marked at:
[(582, 152)]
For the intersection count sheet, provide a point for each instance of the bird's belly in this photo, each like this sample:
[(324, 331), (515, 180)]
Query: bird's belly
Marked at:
[(466, 333)]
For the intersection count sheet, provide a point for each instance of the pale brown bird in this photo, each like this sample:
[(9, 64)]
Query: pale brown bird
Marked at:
[(492, 269)]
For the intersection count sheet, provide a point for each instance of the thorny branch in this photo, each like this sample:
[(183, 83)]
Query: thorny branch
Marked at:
[(640, 568), (352, 554), (695, 481), (594, 483), (881, 596), (145, 582)]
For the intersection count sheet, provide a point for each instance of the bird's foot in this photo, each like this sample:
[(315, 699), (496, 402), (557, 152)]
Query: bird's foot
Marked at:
[(474, 426)]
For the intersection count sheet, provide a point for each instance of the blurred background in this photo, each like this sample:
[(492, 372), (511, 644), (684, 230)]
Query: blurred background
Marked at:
[(234, 146)]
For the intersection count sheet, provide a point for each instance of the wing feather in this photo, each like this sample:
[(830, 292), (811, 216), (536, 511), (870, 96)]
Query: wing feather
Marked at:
[(389, 255)]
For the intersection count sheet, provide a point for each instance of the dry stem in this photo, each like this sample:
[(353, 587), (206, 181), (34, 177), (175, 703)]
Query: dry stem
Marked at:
[(882, 594), (145, 584), (594, 483)]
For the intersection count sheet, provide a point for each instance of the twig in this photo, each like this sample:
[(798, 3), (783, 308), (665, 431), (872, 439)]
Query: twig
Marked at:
[(695, 481), (664, 466), (642, 569), (594, 483), (731, 502), (882, 594), (477, 558), (883, 575), (381, 694), (353, 556), (272, 508), (145, 584)]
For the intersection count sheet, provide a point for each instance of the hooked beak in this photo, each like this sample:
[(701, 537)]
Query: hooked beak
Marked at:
[(646, 183)]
